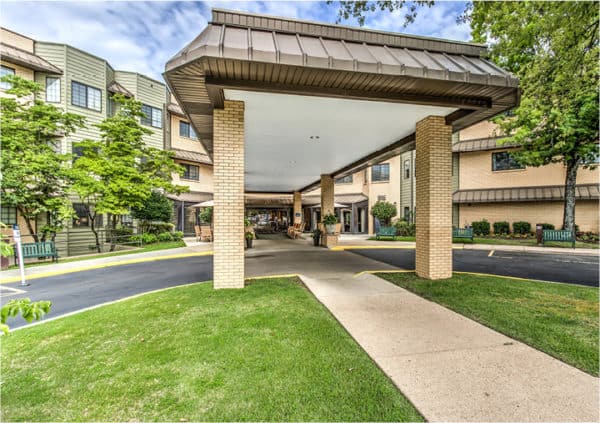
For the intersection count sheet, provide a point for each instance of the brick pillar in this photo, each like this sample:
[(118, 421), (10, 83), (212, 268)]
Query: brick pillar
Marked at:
[(327, 205), (434, 198), (228, 178), (297, 207)]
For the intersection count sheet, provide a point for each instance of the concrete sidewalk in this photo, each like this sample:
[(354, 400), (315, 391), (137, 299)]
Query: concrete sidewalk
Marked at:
[(360, 242), (450, 367), (45, 270)]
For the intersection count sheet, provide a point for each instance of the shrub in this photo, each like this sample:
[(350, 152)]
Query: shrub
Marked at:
[(521, 228), (206, 215), (384, 211), (158, 227), (481, 227), (177, 235), (330, 219), (136, 239), (165, 237), (403, 228), (156, 208), (121, 233), (501, 228), (548, 226), (149, 238)]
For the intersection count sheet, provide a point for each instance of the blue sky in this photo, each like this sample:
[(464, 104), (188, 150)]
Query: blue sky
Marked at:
[(141, 36)]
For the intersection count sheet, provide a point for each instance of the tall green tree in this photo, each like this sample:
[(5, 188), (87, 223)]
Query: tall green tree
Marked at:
[(35, 176), (120, 171), (157, 207), (553, 48), (360, 9)]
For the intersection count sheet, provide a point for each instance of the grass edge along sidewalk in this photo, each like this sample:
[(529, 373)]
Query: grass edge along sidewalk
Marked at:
[(525, 242), (269, 352), (558, 319)]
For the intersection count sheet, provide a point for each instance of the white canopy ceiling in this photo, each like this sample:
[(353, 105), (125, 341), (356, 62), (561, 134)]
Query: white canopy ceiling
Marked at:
[(292, 139)]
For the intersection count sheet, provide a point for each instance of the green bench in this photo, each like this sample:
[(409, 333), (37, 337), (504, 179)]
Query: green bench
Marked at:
[(549, 235), (38, 250), (465, 233), (386, 232)]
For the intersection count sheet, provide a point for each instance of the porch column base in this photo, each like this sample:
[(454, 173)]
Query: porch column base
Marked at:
[(433, 258)]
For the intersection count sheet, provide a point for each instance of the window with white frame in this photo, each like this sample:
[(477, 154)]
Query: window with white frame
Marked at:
[(52, 89), (5, 70), (406, 168), (85, 96), (153, 116)]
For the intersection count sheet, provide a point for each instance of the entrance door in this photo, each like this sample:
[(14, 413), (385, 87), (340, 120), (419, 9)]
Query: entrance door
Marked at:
[(346, 221)]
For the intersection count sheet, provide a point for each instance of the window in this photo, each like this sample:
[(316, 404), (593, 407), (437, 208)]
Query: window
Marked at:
[(5, 70), (8, 215), (191, 172), (85, 96), (380, 173), (344, 180), (186, 130), (81, 218), (407, 214), (52, 90), (153, 116), (407, 169), (504, 161)]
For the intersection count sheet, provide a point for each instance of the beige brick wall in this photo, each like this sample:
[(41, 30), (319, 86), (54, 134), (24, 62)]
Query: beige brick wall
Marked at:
[(228, 155), (297, 207), (434, 198), (327, 195), (586, 213)]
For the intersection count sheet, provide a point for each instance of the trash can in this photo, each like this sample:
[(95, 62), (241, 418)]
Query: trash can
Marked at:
[(539, 233)]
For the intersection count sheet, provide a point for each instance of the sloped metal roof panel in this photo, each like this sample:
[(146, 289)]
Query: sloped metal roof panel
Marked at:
[(29, 60), (523, 194)]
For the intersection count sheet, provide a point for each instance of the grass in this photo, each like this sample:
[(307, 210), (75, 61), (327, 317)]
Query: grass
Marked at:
[(559, 319), (269, 352), (497, 241), (144, 249)]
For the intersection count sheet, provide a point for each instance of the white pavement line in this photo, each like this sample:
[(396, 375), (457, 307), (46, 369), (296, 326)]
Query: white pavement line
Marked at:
[(13, 291), (491, 253), (40, 322)]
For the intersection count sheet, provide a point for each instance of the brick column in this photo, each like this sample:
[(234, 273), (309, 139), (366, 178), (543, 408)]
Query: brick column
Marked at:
[(327, 200), (434, 198), (297, 207), (228, 178)]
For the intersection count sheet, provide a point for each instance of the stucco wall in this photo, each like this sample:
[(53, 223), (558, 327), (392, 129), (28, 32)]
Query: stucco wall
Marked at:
[(16, 40), (586, 213), (204, 184)]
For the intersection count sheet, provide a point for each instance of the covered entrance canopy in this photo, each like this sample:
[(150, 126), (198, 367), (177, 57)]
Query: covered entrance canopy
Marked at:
[(285, 106)]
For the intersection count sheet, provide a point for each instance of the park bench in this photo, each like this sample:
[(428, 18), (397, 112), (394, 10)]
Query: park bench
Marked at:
[(38, 250), (386, 232), (558, 236), (466, 233)]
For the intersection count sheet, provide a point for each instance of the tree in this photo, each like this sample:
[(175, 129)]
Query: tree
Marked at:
[(120, 171), (35, 177), (553, 48), (384, 211), (29, 310), (157, 207), (360, 9)]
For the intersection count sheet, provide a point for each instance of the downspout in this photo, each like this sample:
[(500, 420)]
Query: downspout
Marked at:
[(182, 215)]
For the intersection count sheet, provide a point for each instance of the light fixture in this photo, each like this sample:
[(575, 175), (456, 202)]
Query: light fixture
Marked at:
[(314, 137)]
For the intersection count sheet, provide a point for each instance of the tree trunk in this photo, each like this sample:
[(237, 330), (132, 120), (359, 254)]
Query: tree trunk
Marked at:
[(113, 229), (30, 227), (93, 228), (569, 206)]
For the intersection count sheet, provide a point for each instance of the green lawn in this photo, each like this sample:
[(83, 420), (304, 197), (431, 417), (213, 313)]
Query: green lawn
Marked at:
[(559, 319), (144, 249), (497, 241), (268, 352)]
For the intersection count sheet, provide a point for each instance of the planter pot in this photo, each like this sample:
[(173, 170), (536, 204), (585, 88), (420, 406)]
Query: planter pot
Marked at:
[(330, 228), (316, 241), (249, 242)]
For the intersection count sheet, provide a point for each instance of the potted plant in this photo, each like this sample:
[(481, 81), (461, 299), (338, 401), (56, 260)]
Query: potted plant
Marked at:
[(317, 237), (329, 220), (249, 237)]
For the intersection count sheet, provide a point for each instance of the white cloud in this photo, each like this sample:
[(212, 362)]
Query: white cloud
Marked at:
[(142, 36)]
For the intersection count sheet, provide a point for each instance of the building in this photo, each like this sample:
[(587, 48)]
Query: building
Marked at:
[(491, 186)]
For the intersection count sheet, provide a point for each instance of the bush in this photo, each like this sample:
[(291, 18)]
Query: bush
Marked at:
[(136, 239), (206, 215), (158, 227), (481, 228), (403, 228), (122, 234), (501, 228), (384, 211), (165, 237), (521, 228), (177, 235), (149, 238), (156, 208), (547, 226)]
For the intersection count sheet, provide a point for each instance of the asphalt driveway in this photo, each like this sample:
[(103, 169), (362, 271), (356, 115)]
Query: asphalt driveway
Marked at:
[(567, 268)]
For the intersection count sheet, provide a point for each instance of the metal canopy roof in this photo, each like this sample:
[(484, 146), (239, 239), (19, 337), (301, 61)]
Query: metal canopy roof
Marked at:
[(518, 194), (482, 144), (29, 60), (251, 52)]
